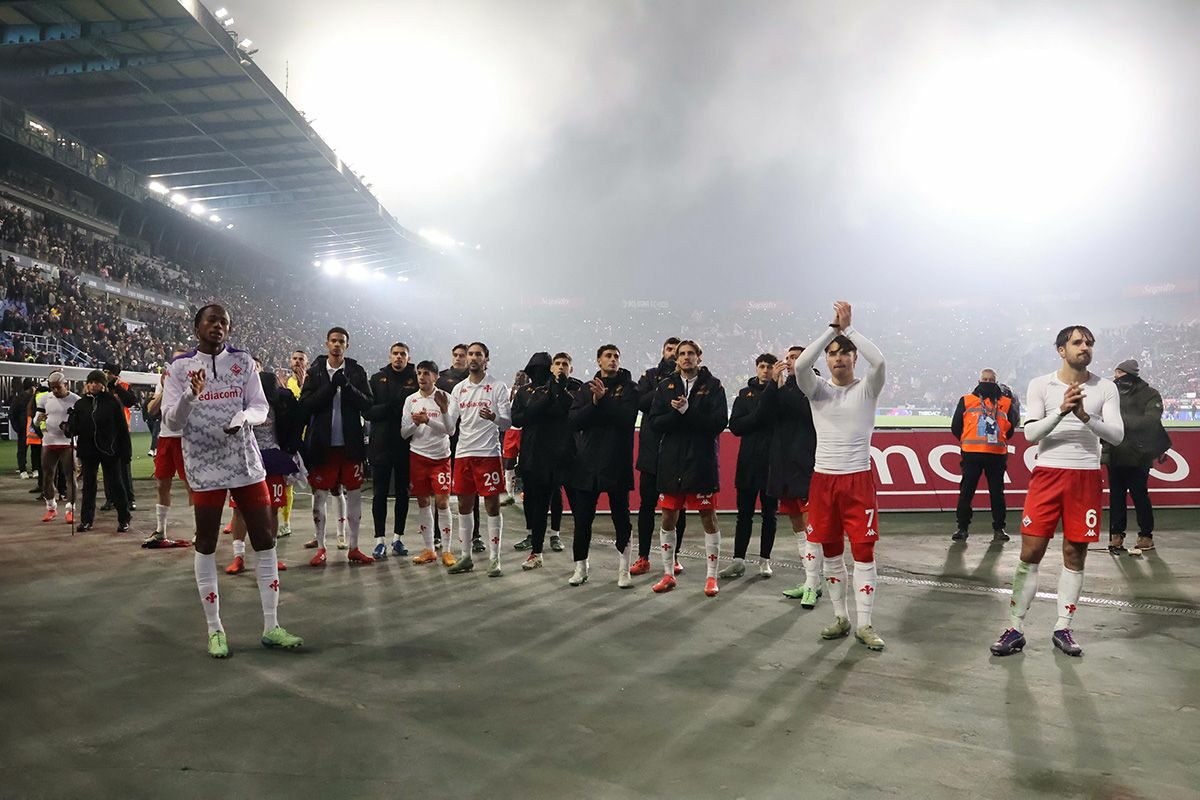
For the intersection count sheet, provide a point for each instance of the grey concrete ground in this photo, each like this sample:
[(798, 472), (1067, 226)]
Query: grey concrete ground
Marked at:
[(414, 683)]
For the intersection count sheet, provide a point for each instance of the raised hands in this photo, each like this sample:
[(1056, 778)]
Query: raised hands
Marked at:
[(841, 315), (598, 389)]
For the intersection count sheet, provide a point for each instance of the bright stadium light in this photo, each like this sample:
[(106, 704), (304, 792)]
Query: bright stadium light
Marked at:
[(229, 227), (437, 238), (356, 273), (213, 218), (178, 199), (198, 208), (221, 13), (228, 22), (317, 263), (402, 278), (157, 187), (244, 43), (332, 267)]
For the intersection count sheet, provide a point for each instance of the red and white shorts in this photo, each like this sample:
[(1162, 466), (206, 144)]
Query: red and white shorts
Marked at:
[(512, 443), (689, 501), (1073, 495), (428, 476), (793, 505), (168, 459), (337, 470), (256, 495), (478, 475), (276, 488), (842, 504)]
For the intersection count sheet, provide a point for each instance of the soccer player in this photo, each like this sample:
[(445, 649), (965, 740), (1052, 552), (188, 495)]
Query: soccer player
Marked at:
[(484, 413), (57, 454), (789, 473), (428, 420), (213, 395), (842, 494), (1067, 413), (388, 449), (755, 427), (450, 377), (168, 465), (336, 394), (604, 414), (689, 411), (540, 408), (647, 460)]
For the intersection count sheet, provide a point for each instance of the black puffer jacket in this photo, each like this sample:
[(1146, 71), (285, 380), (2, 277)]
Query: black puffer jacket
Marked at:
[(99, 422), (389, 390), (647, 460), (793, 448), (316, 403), (540, 411), (604, 462), (689, 450), (748, 421), (1141, 412)]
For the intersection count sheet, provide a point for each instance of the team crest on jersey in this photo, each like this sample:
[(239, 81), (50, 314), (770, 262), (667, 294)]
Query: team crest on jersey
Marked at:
[(236, 369), (487, 388)]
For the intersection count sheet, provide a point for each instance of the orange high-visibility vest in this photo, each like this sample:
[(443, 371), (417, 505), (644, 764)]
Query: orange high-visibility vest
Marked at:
[(985, 425)]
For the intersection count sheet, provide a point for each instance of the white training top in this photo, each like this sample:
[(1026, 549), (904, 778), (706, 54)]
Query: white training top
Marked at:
[(430, 439), (232, 398), (843, 416), (478, 436), (1063, 441), (337, 436), (165, 431), (56, 410)]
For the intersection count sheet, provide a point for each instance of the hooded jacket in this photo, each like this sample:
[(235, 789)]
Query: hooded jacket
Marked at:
[(793, 448), (450, 377), (647, 460), (604, 438), (316, 403), (1145, 437), (98, 420), (985, 390), (688, 447), (750, 421), (389, 389), (540, 410)]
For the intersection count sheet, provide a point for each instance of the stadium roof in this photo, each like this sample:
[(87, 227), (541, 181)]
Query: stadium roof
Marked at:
[(163, 87)]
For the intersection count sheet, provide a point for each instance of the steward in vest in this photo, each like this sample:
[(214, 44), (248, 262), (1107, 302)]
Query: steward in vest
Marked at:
[(983, 423)]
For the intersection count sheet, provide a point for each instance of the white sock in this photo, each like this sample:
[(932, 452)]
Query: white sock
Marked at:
[(510, 480), (70, 507), (814, 560), (666, 541), (465, 523), (320, 499), (835, 579), (495, 528), (1070, 584), (712, 551), (1024, 589), (239, 547), (425, 515), (205, 567), (160, 514), (341, 504), (623, 561), (52, 504), (553, 534), (395, 537), (352, 508), (447, 544), (380, 540), (267, 572), (865, 582)]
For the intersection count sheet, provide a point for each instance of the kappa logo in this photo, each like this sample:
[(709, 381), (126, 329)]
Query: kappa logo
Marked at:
[(871, 532), (1092, 534)]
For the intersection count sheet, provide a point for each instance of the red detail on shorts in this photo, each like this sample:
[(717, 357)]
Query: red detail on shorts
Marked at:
[(255, 495), (689, 501), (793, 505), (478, 475), (337, 470), (842, 505), (428, 476), (1073, 495), (168, 459), (276, 490)]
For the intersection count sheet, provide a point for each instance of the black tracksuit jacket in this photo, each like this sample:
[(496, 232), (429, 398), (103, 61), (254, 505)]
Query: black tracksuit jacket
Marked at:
[(389, 390), (689, 449), (793, 448), (316, 402), (749, 421), (604, 461), (99, 422), (647, 460), (540, 410)]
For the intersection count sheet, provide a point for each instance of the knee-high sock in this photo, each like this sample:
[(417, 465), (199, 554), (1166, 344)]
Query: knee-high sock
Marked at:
[(814, 559), (510, 481), (447, 525), (239, 547), (425, 515), (353, 512), (341, 505), (712, 552), (1024, 588), (667, 546), (289, 496), (466, 525), (495, 528), (205, 567), (1070, 584), (160, 515), (865, 577), (320, 500), (623, 561), (835, 579), (267, 572)]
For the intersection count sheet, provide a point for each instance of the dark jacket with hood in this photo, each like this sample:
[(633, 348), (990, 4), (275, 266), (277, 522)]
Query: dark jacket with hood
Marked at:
[(986, 390), (99, 422), (647, 460), (316, 403), (389, 389), (449, 378), (1145, 437), (604, 461), (750, 421), (289, 420), (793, 448), (689, 447), (540, 410)]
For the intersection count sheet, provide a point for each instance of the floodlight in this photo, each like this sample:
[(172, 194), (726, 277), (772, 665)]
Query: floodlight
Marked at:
[(356, 272), (213, 218), (221, 13), (157, 187), (229, 227), (178, 199), (245, 42), (402, 278), (332, 267), (317, 263), (228, 22), (198, 208)]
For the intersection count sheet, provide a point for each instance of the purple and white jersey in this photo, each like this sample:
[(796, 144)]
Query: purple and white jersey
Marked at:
[(232, 398)]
